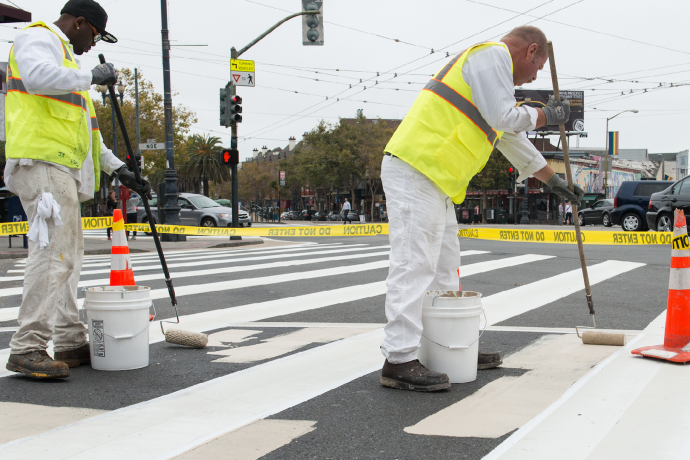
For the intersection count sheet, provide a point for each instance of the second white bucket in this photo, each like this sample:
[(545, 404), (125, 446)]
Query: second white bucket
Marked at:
[(450, 340), (118, 320)]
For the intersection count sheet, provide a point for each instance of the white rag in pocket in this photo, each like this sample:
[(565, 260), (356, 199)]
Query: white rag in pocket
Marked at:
[(47, 207)]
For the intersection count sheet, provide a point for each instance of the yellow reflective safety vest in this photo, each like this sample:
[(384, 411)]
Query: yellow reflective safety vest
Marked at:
[(444, 136), (51, 128)]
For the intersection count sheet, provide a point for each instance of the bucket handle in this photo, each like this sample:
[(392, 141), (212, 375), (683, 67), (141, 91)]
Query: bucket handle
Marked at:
[(127, 336), (462, 347)]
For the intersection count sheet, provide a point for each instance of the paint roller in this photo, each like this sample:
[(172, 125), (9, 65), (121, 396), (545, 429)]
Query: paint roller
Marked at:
[(175, 336), (589, 337)]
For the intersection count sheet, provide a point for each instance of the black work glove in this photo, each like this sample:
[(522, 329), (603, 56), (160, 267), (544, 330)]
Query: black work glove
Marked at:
[(557, 113), (104, 74), (560, 186), (142, 187)]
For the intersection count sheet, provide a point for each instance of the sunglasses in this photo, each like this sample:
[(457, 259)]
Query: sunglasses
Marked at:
[(96, 34)]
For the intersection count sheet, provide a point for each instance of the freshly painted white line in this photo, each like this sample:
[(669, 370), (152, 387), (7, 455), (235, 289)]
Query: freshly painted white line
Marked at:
[(525, 429), (499, 307), (106, 281), (256, 324), (555, 330), (481, 267), (168, 426), (9, 314), (226, 260)]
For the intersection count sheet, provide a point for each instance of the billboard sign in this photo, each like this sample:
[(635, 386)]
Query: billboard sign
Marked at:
[(539, 97)]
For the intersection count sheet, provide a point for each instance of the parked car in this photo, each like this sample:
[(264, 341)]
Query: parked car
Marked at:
[(320, 216), (224, 202), (198, 211), (285, 215), (353, 215), (662, 204), (632, 201), (598, 213), (293, 215), (335, 216), (307, 214)]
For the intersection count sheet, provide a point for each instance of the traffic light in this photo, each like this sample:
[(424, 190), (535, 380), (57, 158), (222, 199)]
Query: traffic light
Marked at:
[(511, 177), (235, 109), (224, 107), (312, 24), (128, 162), (230, 157)]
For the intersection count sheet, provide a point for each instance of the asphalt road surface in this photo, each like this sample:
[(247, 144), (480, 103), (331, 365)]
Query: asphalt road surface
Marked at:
[(292, 367)]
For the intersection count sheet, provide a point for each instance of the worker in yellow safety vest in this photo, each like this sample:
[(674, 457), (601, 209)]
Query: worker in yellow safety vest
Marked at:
[(466, 110), (55, 155)]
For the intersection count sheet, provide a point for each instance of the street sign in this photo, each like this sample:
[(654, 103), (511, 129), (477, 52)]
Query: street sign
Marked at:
[(242, 72), (282, 178), (242, 78), (151, 144)]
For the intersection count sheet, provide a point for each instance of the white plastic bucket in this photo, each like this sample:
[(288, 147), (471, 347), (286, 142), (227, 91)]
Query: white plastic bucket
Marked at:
[(118, 321), (450, 340)]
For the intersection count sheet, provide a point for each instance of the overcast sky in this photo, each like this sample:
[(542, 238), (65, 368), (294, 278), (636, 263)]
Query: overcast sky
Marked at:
[(606, 47)]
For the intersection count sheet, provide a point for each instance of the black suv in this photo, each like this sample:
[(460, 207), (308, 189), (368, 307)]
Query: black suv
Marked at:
[(662, 205), (632, 201)]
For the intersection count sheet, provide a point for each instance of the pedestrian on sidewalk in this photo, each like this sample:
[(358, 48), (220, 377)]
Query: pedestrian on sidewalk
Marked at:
[(110, 206), (346, 211), (445, 139), (132, 203), (55, 155), (568, 213)]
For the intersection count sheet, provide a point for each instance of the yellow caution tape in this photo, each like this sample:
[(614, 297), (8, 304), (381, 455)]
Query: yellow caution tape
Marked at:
[(96, 223), (681, 242), (568, 236)]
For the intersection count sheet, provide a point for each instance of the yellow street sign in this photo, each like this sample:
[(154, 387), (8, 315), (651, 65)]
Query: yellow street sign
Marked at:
[(238, 65)]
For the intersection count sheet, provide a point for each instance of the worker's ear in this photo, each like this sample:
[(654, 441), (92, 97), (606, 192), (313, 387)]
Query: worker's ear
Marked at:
[(80, 23), (531, 52)]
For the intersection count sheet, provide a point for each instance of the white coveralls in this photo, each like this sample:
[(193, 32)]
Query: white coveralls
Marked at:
[(425, 250), (49, 299)]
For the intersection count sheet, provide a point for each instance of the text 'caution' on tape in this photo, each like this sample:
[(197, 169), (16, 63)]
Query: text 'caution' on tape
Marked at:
[(568, 236), (97, 223)]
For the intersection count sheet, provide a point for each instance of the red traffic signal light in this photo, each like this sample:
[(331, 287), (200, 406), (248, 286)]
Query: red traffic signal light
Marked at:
[(230, 157), (510, 170)]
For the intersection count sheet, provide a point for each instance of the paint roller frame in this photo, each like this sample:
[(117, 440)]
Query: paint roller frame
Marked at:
[(193, 339), (600, 338)]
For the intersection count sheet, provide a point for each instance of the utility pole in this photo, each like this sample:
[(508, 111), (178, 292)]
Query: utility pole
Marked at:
[(233, 145), (136, 108), (524, 220), (171, 210)]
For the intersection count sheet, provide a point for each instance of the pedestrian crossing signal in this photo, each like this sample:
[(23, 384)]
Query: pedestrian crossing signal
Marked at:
[(230, 157)]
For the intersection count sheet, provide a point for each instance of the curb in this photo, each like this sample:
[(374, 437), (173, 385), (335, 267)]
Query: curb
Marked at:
[(237, 243)]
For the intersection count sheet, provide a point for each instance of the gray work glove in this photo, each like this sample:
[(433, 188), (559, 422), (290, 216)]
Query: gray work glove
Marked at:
[(560, 186), (130, 181), (104, 74), (557, 113)]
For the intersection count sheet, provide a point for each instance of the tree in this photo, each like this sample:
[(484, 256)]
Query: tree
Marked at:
[(494, 174), (201, 162), (151, 121)]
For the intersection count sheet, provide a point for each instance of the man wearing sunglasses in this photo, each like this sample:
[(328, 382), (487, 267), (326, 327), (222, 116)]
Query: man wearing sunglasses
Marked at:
[(55, 154)]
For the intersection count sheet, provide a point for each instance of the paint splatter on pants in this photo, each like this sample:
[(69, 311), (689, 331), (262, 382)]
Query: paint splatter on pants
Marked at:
[(49, 300), (425, 253)]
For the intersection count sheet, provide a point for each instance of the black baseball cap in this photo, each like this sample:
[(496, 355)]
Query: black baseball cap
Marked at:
[(93, 13)]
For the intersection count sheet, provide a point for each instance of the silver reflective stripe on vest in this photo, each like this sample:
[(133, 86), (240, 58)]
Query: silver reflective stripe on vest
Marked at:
[(67, 55), (15, 84), (449, 66), (463, 105), (94, 123)]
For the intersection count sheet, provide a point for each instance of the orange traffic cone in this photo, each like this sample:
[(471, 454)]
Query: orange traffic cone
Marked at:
[(459, 281), (120, 266), (676, 347)]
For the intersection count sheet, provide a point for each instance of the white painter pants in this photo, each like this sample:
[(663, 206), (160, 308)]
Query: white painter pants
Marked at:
[(49, 300), (425, 253)]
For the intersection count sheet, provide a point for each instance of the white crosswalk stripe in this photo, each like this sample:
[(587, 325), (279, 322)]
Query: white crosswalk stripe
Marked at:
[(170, 425)]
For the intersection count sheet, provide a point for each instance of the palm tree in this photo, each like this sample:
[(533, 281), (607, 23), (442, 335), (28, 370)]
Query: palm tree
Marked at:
[(203, 161)]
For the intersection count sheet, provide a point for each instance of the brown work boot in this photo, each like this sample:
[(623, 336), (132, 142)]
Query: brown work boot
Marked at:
[(489, 360), (37, 364), (76, 357), (412, 375)]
